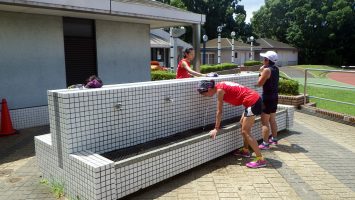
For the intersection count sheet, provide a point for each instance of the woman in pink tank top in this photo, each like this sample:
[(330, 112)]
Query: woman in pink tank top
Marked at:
[(184, 70), (236, 95)]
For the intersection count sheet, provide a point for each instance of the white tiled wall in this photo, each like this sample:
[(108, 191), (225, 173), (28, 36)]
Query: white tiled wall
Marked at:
[(86, 123), (29, 117), (90, 121)]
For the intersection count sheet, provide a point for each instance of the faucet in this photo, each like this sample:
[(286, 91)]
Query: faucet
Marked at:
[(169, 100)]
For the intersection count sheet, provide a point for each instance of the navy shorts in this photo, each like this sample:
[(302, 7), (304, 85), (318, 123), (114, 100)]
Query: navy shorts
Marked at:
[(254, 109), (270, 105)]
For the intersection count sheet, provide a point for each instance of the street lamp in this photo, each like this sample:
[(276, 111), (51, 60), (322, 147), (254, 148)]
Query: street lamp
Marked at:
[(251, 39), (219, 31), (174, 34), (205, 39), (233, 36)]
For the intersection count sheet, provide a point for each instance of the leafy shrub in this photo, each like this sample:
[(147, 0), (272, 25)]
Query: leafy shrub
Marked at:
[(288, 86), (216, 68), (252, 63), (162, 75)]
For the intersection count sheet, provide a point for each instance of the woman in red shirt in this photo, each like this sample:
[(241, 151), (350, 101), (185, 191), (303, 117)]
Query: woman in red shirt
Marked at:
[(236, 95), (184, 70)]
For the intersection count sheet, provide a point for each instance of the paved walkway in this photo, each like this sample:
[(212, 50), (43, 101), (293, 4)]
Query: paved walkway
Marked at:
[(294, 72), (314, 160)]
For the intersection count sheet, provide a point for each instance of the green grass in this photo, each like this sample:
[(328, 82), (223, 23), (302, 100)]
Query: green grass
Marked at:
[(334, 94), (318, 74), (57, 188)]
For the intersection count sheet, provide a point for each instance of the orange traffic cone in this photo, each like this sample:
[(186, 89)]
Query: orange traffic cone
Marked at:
[(6, 124)]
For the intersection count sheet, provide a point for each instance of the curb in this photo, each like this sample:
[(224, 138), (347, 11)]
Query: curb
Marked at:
[(330, 115)]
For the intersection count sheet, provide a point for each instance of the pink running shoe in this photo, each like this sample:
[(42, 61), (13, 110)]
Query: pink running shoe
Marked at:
[(242, 153), (271, 141), (263, 146), (256, 163)]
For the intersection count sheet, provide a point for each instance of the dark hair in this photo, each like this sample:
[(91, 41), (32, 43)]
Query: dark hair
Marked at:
[(187, 51), (204, 85), (271, 63)]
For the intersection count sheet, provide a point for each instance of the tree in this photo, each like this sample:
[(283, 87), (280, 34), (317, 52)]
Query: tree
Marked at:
[(324, 30), (217, 12)]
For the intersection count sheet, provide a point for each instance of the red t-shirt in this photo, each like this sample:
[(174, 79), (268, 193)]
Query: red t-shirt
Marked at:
[(181, 71), (237, 95)]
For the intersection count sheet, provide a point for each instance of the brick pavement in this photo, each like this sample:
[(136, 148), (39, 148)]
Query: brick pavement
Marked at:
[(315, 160)]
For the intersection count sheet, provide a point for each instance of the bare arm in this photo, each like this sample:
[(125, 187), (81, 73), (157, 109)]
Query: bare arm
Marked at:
[(220, 94), (265, 74), (192, 72)]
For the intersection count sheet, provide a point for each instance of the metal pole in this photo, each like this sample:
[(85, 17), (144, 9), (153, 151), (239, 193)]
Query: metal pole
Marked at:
[(219, 49), (251, 51), (172, 63), (305, 88), (197, 42), (233, 50), (204, 53)]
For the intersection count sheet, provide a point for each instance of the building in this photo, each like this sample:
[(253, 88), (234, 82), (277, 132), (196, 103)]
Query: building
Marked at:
[(288, 55), (160, 47), (50, 44)]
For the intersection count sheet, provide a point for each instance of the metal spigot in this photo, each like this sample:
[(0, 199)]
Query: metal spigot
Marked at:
[(118, 106), (169, 100)]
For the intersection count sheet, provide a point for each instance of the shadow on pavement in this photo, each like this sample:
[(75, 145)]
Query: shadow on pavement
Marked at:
[(20, 145), (216, 166)]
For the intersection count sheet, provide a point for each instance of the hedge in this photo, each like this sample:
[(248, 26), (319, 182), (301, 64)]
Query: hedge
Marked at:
[(288, 86), (162, 75), (252, 63), (216, 68)]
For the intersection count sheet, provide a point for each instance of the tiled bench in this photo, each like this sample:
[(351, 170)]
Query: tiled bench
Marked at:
[(88, 126)]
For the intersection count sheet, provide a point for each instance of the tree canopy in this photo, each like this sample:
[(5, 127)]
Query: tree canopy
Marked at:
[(217, 12), (324, 30)]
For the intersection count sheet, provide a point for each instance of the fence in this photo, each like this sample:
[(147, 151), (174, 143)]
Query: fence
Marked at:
[(327, 85)]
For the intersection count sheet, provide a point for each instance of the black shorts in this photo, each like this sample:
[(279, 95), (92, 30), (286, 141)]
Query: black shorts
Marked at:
[(254, 109), (270, 105)]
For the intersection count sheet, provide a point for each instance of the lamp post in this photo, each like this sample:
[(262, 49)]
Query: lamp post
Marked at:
[(219, 30), (205, 39), (251, 39), (233, 36), (174, 34)]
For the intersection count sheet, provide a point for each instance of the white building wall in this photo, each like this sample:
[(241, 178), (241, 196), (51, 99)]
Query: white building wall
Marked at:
[(31, 58), (123, 52)]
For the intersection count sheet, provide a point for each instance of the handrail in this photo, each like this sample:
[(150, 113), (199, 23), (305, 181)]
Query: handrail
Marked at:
[(326, 70)]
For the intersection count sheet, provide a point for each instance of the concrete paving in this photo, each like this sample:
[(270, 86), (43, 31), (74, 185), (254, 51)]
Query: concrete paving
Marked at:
[(314, 160)]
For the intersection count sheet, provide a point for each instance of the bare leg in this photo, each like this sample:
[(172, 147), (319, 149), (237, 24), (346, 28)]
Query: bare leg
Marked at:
[(265, 130), (246, 129), (245, 142)]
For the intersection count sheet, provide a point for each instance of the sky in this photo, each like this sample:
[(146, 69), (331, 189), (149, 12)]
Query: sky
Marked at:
[(250, 6)]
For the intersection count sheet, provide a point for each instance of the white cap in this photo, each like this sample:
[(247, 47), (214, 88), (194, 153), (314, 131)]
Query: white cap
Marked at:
[(271, 55)]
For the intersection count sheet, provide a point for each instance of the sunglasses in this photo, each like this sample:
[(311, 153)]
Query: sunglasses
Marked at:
[(266, 59)]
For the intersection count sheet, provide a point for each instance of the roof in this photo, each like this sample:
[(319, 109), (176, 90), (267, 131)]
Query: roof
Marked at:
[(152, 3), (166, 37), (150, 12), (158, 42), (226, 43), (272, 44), (259, 44)]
